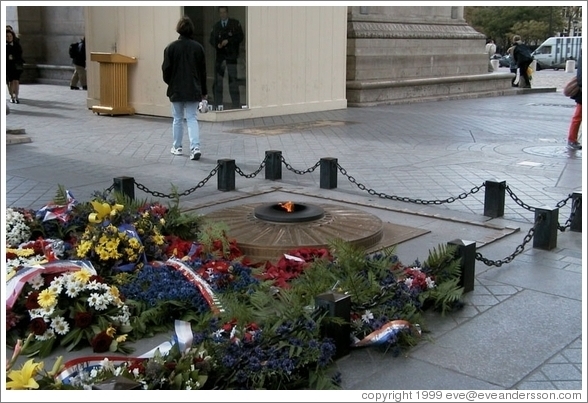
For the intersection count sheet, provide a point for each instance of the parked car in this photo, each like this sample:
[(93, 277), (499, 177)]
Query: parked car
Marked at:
[(504, 61)]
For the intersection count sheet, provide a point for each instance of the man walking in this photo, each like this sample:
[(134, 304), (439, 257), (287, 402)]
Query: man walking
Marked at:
[(184, 72), (226, 37), (78, 57)]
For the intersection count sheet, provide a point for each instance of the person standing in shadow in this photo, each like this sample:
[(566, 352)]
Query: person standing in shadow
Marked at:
[(226, 37), (78, 58)]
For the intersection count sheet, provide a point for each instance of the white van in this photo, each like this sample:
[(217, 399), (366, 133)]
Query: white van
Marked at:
[(553, 53)]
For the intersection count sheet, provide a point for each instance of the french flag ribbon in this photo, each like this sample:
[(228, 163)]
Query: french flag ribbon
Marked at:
[(183, 337), (382, 335), (15, 285), (198, 281), (55, 211)]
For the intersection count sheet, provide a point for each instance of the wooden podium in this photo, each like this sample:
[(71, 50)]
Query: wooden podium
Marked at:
[(113, 83)]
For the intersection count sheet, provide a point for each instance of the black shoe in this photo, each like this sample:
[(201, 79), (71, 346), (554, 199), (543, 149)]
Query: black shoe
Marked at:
[(12, 100), (73, 88), (17, 100), (85, 88)]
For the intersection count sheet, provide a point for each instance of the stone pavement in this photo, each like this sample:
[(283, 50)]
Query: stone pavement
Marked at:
[(522, 324)]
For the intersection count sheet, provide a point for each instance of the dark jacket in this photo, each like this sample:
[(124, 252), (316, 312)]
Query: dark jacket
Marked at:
[(184, 70), (14, 60), (233, 32), (578, 97), (522, 54), (80, 59)]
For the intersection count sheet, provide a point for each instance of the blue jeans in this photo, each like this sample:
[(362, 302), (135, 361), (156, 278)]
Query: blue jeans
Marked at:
[(178, 109)]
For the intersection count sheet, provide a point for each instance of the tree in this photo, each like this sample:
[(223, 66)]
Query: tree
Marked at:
[(532, 32), (499, 22)]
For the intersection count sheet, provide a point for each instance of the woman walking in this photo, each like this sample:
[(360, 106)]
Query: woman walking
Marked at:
[(14, 65)]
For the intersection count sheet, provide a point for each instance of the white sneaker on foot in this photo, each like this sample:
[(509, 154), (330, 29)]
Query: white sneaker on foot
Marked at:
[(176, 151), (195, 154)]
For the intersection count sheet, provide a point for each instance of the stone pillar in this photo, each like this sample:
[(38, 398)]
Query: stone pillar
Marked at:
[(395, 54)]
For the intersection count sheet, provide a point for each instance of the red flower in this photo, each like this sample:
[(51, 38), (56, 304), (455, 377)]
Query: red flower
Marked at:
[(11, 255), (83, 319), (227, 327), (32, 301), (137, 364), (38, 326), (97, 279), (170, 365), (101, 342)]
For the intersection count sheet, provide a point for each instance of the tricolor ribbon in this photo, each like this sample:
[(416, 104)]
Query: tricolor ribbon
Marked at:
[(55, 211), (183, 336), (15, 285)]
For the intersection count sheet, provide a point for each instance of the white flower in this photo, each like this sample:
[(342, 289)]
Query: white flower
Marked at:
[(100, 304), (218, 333), (48, 311), (430, 282), (94, 299), (107, 365), (135, 372), (408, 282), (93, 372), (73, 288), (55, 288), (37, 282), (60, 325), (93, 285), (367, 316), (17, 230), (37, 313), (49, 334), (415, 268)]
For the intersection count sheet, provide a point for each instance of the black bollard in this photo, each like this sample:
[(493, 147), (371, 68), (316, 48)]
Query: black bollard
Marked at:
[(545, 236), (337, 306), (576, 224), (494, 198), (328, 173), (273, 165), (466, 251), (125, 185), (226, 175)]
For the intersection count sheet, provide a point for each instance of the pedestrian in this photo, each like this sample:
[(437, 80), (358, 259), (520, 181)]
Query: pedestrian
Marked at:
[(184, 72), (226, 37), (577, 117), (512, 66), (523, 59), (78, 57), (490, 51), (14, 65)]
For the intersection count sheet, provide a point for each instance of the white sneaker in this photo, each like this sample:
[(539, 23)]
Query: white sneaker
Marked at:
[(176, 151), (195, 154)]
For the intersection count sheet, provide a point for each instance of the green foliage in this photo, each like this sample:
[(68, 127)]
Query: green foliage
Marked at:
[(182, 224), (500, 22)]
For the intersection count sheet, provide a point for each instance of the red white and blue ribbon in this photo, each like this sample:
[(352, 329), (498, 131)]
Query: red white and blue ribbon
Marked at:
[(383, 334), (15, 285), (56, 211), (183, 337)]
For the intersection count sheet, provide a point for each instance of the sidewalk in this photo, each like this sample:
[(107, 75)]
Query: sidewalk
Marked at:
[(522, 325)]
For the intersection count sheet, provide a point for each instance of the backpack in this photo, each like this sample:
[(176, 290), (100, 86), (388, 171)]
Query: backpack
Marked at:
[(523, 53), (73, 50)]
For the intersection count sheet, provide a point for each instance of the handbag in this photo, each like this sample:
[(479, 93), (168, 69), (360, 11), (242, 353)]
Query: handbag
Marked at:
[(571, 89)]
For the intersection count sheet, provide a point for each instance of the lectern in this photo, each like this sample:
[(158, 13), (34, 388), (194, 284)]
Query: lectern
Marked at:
[(113, 83)]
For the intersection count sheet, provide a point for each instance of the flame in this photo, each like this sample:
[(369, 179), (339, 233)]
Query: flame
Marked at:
[(288, 206)]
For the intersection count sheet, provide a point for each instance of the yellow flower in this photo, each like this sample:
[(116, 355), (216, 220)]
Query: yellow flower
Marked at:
[(25, 377), (111, 331), (82, 276), (47, 298), (122, 338), (114, 291), (21, 252)]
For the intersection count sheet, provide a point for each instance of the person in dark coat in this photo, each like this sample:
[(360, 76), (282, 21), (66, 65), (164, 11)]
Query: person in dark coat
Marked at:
[(523, 59), (184, 72), (226, 37), (577, 117), (14, 65), (79, 62)]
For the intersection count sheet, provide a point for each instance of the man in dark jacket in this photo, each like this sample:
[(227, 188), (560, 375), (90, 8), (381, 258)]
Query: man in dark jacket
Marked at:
[(184, 72), (577, 118), (226, 37), (523, 59), (79, 62)]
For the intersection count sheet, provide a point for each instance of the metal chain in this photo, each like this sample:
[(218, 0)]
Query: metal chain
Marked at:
[(254, 174), (372, 192), (519, 249), (575, 207), (296, 171), (518, 201), (185, 193), (109, 189)]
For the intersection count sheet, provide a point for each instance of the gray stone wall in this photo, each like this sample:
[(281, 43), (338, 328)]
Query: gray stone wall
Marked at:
[(45, 33)]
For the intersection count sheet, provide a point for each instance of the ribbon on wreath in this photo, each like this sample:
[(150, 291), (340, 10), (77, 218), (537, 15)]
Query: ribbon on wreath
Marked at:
[(383, 334), (183, 337), (15, 285), (56, 211)]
